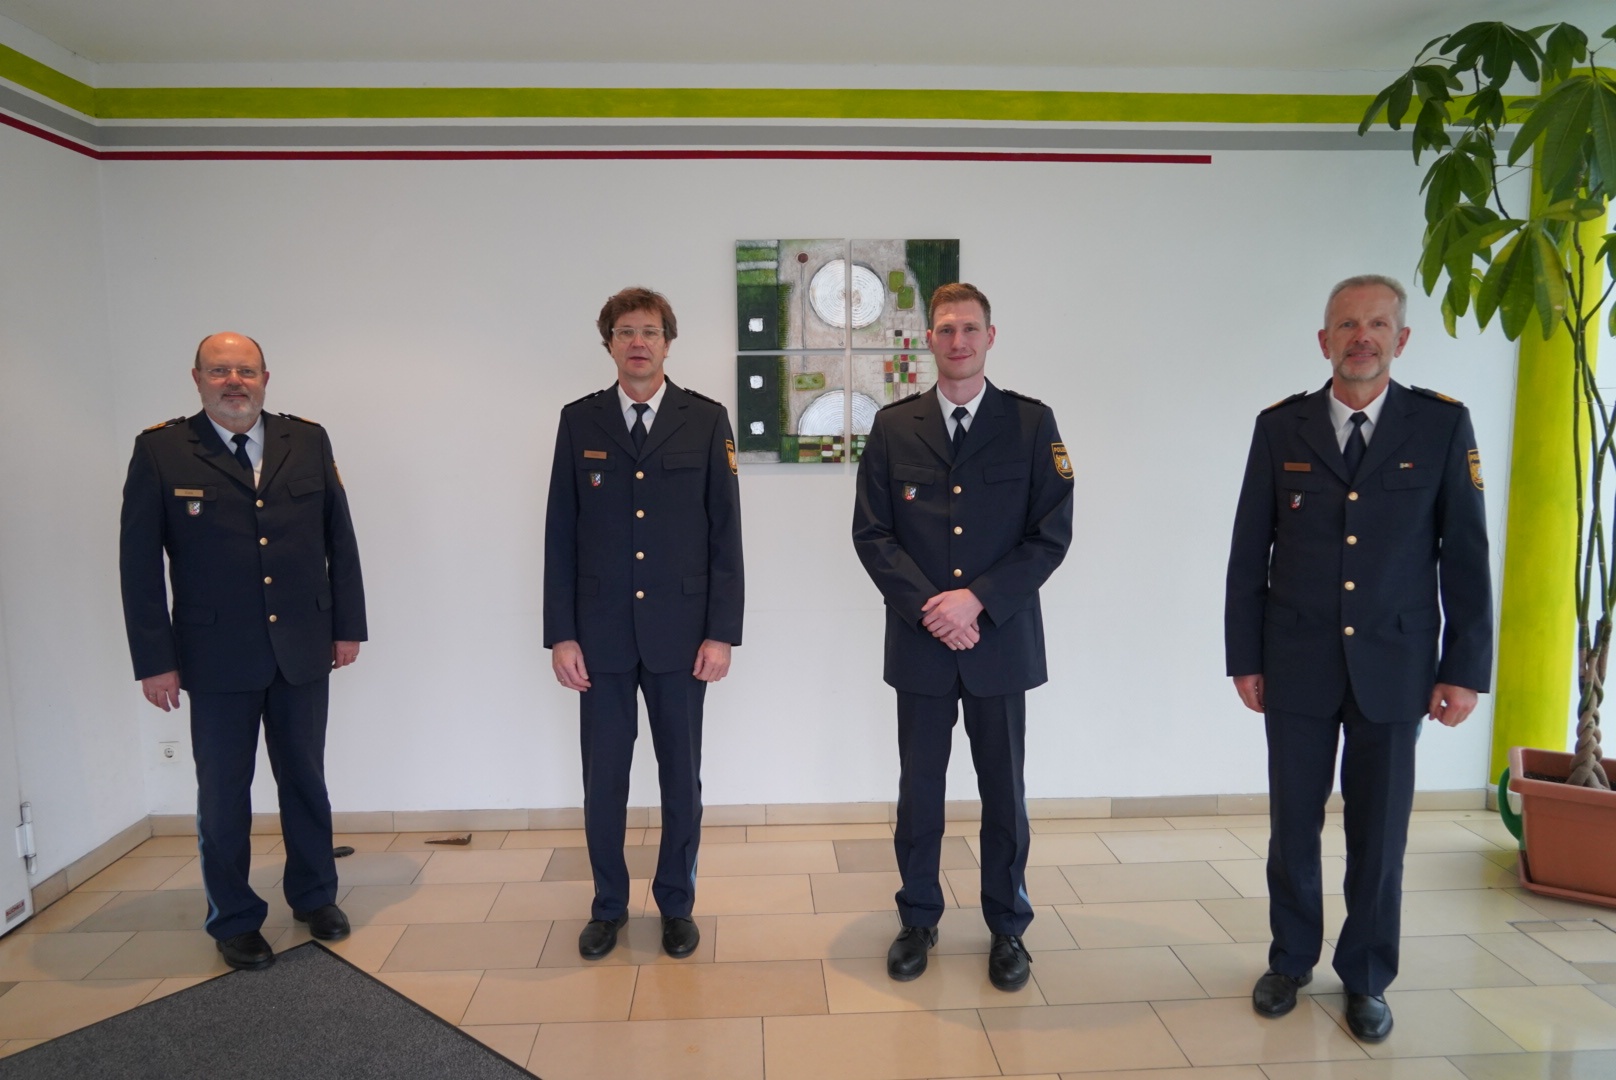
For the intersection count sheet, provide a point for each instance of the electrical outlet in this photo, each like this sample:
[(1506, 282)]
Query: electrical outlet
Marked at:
[(169, 752)]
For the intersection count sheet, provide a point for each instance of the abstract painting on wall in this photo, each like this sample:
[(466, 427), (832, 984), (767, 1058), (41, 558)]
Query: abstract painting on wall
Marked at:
[(827, 332)]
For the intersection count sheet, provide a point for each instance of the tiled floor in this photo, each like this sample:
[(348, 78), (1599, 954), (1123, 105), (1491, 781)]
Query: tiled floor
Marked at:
[(1149, 935)]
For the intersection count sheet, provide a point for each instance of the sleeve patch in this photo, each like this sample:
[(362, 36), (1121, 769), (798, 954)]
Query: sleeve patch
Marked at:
[(1063, 460), (1475, 469)]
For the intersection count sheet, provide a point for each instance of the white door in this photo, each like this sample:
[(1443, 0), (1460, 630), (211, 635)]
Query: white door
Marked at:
[(16, 901)]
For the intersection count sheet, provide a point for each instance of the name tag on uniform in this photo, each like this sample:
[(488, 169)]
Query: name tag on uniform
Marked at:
[(189, 493), (598, 455), (1298, 466)]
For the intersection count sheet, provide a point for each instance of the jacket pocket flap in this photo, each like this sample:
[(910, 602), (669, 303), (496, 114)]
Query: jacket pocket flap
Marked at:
[(305, 485), (1428, 619), (597, 464), (696, 584), (194, 616), (1005, 470), (692, 460), (1395, 478), (205, 492), (915, 474)]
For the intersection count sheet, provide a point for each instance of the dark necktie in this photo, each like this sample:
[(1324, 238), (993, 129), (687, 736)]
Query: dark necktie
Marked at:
[(1354, 450), (241, 452), (961, 413), (638, 432)]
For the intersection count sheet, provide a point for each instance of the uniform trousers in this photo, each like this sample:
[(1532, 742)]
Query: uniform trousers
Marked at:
[(224, 741), (997, 728), (1377, 791), (609, 723)]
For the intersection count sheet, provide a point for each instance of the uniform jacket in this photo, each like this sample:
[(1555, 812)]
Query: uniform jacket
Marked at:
[(237, 557), (997, 521), (642, 552), (1397, 553)]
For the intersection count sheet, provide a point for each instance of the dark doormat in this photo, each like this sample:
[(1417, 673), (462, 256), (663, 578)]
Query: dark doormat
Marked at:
[(311, 1016)]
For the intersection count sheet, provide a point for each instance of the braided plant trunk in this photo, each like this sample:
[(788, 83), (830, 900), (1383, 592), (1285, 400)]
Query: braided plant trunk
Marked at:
[(1586, 768)]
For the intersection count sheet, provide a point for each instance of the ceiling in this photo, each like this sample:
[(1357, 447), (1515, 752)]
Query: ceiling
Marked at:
[(1376, 35)]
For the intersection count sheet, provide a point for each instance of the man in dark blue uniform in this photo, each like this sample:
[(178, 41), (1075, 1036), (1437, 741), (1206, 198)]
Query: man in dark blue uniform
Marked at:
[(1359, 600), (643, 590), (964, 510), (268, 599)]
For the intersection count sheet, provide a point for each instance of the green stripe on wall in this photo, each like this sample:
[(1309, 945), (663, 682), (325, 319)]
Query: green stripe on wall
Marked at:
[(30, 74)]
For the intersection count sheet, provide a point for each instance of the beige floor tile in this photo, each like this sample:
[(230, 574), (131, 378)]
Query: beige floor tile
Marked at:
[(537, 901), (136, 874), (1122, 882), (418, 841), (961, 930), (1217, 1072), (1120, 926), (33, 957), (1586, 1065), (1232, 970), (182, 910), (714, 833), (1426, 836), (860, 892), (804, 936), (445, 867), (1542, 1017), (1452, 963), (44, 1010), (781, 893), (1250, 876), (381, 867), (731, 1049), (382, 904), (1606, 992), (366, 842), (263, 874), (639, 943), (1332, 840), (1181, 845), (1100, 824), (162, 954), (826, 813), (1492, 829), (1246, 919), (1461, 911), (877, 1046), (1088, 976), (175, 985), (849, 831), (65, 914), (1530, 959), (1578, 946), (765, 988), (572, 863), (1385, 1069), (861, 985), (1454, 870), (512, 1041), (1220, 821), (553, 995), (559, 838), (445, 993), (1047, 885), (1428, 1023), (772, 857), (1225, 1031), (160, 846), (1555, 908), (1060, 1038), (467, 946), (367, 948), (17, 1046), (1063, 849), (874, 856)]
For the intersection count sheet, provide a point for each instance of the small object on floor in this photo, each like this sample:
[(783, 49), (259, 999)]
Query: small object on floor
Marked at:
[(457, 840), (680, 937), (600, 937), (906, 959), (1009, 963), (1275, 994), (327, 923), (1369, 1017), (247, 952), (341, 851)]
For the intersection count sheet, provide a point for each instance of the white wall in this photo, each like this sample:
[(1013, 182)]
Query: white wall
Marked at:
[(435, 316), (62, 453)]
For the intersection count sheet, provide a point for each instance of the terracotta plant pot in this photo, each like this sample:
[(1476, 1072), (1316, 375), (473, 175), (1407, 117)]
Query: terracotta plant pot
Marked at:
[(1567, 834)]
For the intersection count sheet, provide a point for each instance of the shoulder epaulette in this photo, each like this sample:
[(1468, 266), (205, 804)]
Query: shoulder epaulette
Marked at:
[(1023, 397), (704, 397), (299, 419), (1437, 396), (586, 397), (160, 425), (1285, 401), (910, 400)]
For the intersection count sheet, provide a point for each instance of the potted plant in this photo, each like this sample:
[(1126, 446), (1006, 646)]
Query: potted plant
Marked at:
[(1529, 266)]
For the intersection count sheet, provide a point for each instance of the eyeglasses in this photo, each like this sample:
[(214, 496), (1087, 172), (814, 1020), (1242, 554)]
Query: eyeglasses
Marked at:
[(625, 334), (245, 374)]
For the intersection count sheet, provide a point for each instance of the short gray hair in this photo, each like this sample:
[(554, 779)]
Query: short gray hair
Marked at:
[(1359, 281)]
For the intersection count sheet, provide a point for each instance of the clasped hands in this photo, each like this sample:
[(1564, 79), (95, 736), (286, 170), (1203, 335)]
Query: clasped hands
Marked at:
[(951, 618)]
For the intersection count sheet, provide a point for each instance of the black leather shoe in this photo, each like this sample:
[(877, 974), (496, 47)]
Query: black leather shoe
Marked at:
[(1368, 1017), (1275, 994), (600, 937), (1008, 962), (326, 923), (247, 952), (906, 959), (680, 936)]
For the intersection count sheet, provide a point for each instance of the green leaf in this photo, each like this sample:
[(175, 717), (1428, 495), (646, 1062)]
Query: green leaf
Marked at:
[(1433, 81), (1611, 33), (1566, 47), (1549, 294), (1573, 210), (1507, 288), (1560, 121), (1431, 127), (1602, 120), (1402, 92), (1607, 251), (1497, 49), (1487, 106)]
